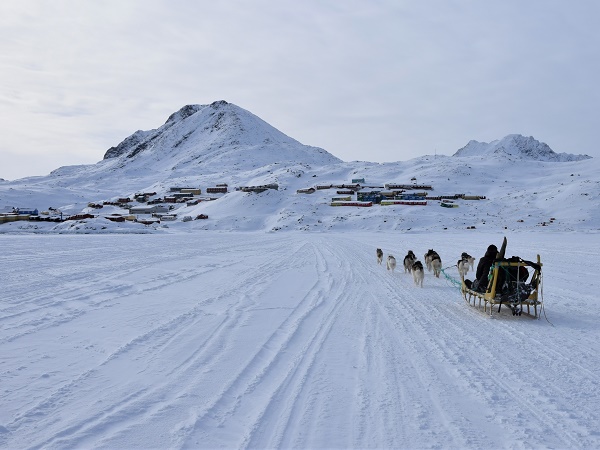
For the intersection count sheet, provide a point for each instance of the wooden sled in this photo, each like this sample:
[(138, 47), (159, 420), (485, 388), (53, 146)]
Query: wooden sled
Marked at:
[(517, 294)]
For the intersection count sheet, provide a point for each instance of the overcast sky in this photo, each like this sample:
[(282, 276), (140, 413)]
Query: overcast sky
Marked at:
[(366, 80)]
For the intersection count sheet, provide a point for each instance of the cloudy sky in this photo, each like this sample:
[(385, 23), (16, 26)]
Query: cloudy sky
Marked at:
[(366, 80)]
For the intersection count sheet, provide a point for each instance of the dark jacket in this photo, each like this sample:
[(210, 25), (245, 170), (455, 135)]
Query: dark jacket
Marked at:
[(483, 268)]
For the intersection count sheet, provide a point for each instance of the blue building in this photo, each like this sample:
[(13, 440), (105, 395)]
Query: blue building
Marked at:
[(30, 211)]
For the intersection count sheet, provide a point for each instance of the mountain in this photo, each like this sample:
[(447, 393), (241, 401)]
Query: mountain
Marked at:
[(218, 134), (519, 147)]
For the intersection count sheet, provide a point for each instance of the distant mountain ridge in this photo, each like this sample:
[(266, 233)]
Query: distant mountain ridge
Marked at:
[(518, 146)]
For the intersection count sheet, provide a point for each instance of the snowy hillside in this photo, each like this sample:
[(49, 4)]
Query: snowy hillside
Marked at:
[(518, 195), (519, 147)]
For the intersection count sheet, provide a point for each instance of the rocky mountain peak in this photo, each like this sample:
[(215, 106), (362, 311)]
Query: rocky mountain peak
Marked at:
[(219, 132)]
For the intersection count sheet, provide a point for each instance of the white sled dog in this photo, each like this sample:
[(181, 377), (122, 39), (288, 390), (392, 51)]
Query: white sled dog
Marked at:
[(379, 256), (418, 273), (463, 267), (429, 258), (409, 260), (465, 262), (391, 263)]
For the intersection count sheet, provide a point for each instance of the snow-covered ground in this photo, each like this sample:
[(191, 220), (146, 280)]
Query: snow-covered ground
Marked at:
[(290, 340)]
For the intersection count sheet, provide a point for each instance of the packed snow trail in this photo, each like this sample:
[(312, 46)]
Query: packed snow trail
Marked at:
[(252, 340)]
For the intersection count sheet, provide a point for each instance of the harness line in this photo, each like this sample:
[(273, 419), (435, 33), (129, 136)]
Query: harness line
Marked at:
[(455, 283)]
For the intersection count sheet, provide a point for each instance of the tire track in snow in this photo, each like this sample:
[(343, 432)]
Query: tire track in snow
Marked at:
[(565, 409), (200, 362), (520, 341), (69, 284)]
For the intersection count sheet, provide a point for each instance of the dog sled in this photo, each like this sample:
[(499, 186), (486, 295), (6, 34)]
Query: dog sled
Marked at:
[(513, 282)]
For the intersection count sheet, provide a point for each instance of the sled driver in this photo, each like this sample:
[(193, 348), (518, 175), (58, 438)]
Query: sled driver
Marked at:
[(483, 268)]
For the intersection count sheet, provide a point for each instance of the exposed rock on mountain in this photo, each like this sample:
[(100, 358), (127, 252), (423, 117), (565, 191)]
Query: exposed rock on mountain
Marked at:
[(131, 142)]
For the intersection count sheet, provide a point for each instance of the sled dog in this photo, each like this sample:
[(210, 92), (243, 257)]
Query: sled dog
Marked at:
[(466, 257), (429, 257), (391, 263), (409, 260), (379, 256), (436, 265), (418, 274), (463, 267)]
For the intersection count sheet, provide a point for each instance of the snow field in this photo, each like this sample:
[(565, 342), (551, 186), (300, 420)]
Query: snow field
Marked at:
[(258, 340)]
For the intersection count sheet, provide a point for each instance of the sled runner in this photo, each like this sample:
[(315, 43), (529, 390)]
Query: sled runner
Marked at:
[(514, 282)]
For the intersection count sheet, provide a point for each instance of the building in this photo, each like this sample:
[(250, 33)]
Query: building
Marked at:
[(306, 191), (26, 211), (183, 189), (217, 190), (148, 209), (258, 189), (392, 186), (148, 220), (191, 191)]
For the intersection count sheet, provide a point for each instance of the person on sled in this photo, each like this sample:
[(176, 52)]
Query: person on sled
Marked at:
[(483, 268)]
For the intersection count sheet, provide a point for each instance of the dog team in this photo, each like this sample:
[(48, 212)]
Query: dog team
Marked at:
[(433, 262)]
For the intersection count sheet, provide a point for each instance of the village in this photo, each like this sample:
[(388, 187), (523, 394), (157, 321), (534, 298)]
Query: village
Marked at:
[(149, 208), (357, 193), (145, 207)]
